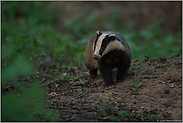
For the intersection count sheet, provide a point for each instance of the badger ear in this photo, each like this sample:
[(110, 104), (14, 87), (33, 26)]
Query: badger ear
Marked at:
[(112, 37), (98, 33)]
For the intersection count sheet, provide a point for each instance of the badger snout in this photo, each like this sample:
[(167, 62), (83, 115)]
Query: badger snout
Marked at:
[(95, 56)]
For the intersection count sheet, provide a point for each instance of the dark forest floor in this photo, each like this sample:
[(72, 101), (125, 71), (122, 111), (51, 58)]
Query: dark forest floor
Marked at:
[(159, 96)]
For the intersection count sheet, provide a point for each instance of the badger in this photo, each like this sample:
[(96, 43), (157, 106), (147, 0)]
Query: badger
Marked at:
[(105, 51)]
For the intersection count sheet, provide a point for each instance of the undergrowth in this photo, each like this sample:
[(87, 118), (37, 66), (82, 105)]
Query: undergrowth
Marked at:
[(34, 34)]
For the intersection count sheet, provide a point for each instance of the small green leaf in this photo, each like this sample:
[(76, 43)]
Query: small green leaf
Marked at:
[(81, 81), (135, 83), (135, 77), (57, 66), (123, 113), (109, 117), (86, 90), (102, 110), (150, 117), (56, 117), (80, 90), (84, 75), (50, 70), (69, 68), (96, 103), (107, 100), (109, 105)]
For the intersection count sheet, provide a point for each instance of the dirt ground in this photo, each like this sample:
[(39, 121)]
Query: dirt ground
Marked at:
[(159, 98)]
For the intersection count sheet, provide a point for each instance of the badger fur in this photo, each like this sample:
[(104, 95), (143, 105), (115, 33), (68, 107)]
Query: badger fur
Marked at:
[(107, 50)]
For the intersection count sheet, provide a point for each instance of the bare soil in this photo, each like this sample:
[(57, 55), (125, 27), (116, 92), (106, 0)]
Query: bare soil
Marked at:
[(160, 94)]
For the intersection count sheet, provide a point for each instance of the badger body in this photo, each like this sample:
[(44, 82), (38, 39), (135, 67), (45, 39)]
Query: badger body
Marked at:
[(107, 50)]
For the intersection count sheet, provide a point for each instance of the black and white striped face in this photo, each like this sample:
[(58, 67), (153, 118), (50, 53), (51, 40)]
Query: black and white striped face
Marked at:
[(105, 43)]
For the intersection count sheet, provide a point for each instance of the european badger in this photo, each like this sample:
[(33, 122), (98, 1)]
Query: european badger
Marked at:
[(107, 50)]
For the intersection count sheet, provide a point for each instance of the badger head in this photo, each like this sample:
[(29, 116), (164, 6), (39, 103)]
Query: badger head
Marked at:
[(104, 43)]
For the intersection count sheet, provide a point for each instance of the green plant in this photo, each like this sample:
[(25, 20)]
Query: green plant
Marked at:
[(28, 103), (60, 68), (69, 68), (120, 114), (102, 109), (135, 83), (151, 118), (110, 118), (146, 58), (81, 81), (22, 49), (123, 113), (106, 102), (26, 106), (68, 79), (85, 89), (80, 90)]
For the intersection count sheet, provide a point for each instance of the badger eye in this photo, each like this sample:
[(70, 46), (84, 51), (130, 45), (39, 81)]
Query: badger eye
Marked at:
[(102, 49)]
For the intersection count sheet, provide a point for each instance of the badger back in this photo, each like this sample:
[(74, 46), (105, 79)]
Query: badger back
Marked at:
[(89, 61)]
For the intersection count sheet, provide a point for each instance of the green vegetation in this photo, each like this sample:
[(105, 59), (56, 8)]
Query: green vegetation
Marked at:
[(24, 42), (104, 103), (151, 118), (34, 34), (27, 105), (135, 83), (29, 37)]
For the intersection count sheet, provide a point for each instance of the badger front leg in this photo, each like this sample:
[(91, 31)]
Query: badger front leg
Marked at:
[(121, 73), (106, 72), (123, 69), (93, 72)]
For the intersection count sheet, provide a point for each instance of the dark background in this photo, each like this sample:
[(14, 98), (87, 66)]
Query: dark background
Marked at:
[(138, 14)]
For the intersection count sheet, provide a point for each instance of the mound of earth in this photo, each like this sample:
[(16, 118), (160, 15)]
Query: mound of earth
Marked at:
[(152, 91)]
